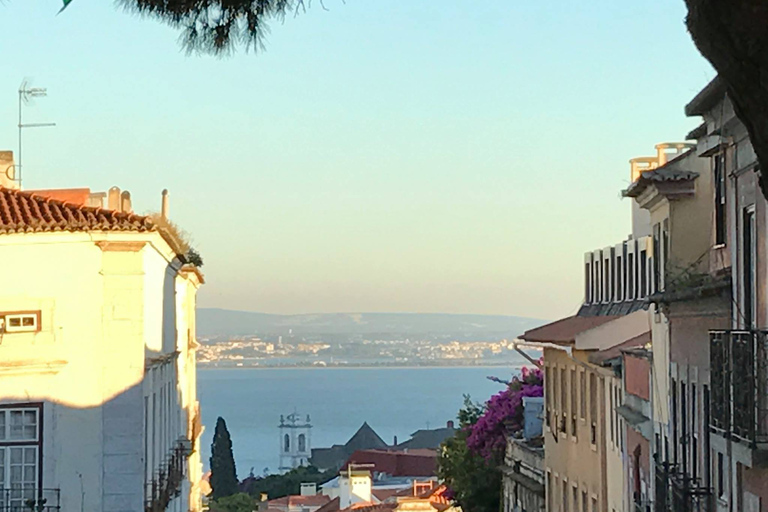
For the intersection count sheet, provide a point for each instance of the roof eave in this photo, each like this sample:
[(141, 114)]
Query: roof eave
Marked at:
[(707, 98)]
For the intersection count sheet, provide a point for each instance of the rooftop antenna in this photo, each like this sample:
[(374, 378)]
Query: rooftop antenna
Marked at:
[(26, 93)]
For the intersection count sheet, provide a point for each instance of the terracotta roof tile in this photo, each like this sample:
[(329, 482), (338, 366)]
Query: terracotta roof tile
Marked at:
[(566, 329), (615, 351), (332, 506), (27, 212)]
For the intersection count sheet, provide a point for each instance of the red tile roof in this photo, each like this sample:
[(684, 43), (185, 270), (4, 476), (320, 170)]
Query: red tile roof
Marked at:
[(78, 196), (371, 507), (315, 500), (564, 331), (615, 351), (332, 506), (398, 463), (383, 494), (27, 212)]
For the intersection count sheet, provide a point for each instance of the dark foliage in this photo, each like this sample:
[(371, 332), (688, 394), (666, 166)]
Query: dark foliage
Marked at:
[(223, 473), (194, 257), (236, 503), (277, 486), (218, 26), (474, 482), (732, 36)]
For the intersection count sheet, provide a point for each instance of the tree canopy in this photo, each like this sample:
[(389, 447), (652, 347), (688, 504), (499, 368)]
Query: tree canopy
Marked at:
[(218, 26), (223, 473), (469, 462)]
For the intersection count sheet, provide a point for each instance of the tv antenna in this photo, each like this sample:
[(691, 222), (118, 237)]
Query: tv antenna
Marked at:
[(26, 93)]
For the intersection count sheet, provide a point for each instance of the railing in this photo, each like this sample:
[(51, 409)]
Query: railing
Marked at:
[(29, 499), (168, 481), (739, 378), (679, 492)]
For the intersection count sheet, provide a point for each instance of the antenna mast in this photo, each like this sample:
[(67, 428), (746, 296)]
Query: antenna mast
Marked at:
[(25, 94)]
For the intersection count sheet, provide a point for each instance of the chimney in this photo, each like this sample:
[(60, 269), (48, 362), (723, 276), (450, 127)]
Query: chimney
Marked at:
[(8, 171), (308, 489), (164, 209), (113, 199), (395, 443), (125, 202)]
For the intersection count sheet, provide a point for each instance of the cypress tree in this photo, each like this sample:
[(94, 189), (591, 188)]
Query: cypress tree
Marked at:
[(223, 473)]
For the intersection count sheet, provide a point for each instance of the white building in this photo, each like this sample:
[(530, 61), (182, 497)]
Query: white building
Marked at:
[(98, 405), (295, 441)]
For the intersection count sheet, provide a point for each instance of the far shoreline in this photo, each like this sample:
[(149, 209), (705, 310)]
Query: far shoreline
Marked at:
[(366, 367)]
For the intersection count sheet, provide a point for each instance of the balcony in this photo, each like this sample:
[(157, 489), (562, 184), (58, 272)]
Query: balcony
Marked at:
[(739, 402), (679, 492), (29, 499), (168, 481)]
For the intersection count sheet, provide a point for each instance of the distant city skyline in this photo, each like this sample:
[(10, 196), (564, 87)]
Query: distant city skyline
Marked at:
[(377, 157)]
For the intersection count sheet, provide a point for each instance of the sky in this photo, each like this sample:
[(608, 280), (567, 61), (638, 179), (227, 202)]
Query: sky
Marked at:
[(454, 156)]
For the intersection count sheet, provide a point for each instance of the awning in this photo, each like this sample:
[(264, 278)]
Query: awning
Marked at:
[(564, 331)]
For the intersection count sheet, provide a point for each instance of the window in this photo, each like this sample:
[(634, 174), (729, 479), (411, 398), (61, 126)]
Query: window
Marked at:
[(606, 280), (719, 176), (619, 279), (594, 504), (19, 456), (550, 492), (612, 296), (673, 389), (584, 501), (664, 253), (611, 415), (720, 476), (565, 495), (587, 292), (575, 498), (643, 273), (630, 276), (563, 399), (548, 393), (593, 406), (705, 409), (20, 322), (302, 443), (583, 394), (573, 401), (695, 435), (684, 425), (286, 443), (555, 406), (656, 257), (749, 267)]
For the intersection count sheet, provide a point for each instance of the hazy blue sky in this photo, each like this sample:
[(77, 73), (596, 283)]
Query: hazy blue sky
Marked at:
[(425, 156)]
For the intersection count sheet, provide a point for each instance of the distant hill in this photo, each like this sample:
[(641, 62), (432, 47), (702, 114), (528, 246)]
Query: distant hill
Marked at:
[(224, 322)]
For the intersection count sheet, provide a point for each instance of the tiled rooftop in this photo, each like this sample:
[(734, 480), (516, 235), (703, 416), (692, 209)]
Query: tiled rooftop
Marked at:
[(27, 212)]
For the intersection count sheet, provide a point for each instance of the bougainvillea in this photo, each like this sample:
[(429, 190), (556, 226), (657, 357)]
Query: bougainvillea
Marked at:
[(503, 413)]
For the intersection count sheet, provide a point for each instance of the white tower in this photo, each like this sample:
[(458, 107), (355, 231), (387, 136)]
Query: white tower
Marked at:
[(295, 441)]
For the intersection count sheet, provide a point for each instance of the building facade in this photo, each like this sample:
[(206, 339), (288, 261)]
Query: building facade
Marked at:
[(98, 405), (738, 423)]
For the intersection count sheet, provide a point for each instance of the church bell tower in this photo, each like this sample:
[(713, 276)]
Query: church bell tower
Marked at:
[(295, 441)]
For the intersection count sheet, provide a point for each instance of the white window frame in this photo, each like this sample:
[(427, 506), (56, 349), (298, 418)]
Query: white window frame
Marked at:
[(22, 454), (23, 319)]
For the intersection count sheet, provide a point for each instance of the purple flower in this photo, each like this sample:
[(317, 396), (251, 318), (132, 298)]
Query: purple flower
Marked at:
[(504, 410)]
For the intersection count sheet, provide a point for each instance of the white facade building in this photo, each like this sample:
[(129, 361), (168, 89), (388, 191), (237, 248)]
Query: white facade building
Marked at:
[(98, 405), (295, 441)]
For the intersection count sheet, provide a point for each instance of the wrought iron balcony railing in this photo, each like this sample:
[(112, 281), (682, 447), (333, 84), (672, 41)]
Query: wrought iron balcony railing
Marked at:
[(739, 380), (25, 498), (167, 483), (678, 492)]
